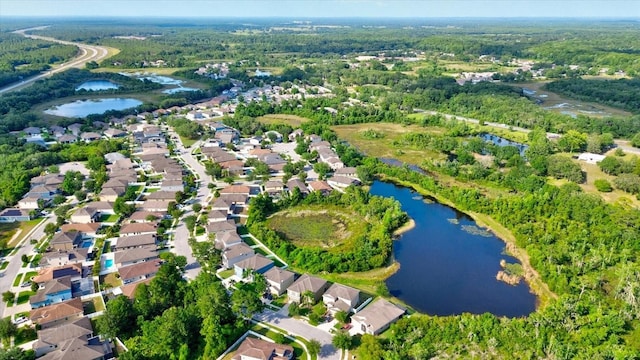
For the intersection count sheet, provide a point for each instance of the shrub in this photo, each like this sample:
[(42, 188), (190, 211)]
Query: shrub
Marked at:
[(603, 185)]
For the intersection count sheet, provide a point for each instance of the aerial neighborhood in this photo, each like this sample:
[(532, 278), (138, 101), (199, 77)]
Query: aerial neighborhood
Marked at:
[(113, 241)]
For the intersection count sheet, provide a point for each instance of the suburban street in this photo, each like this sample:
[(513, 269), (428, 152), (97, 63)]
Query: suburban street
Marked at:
[(282, 320), (181, 234), (87, 53), (26, 248)]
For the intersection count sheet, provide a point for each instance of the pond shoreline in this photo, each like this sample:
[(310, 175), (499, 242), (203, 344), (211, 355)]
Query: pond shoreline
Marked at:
[(531, 276)]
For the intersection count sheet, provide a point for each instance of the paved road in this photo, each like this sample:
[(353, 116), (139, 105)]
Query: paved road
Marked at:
[(87, 53), (281, 320), (15, 261), (181, 235)]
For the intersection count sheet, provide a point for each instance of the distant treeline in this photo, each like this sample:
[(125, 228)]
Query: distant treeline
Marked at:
[(622, 93)]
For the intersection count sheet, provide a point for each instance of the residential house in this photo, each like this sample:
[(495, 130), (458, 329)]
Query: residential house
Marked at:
[(31, 131), (257, 263), (135, 255), (172, 186), (56, 314), (236, 189), (341, 182), (256, 349), (296, 134), (376, 317), (85, 215), (147, 216), (44, 191), (56, 130), (222, 204), (86, 229), (129, 289), (279, 280), (63, 257), (235, 199), (73, 271), (138, 229), (322, 186), (273, 187), (53, 180), (29, 203), (66, 240), (139, 271), (297, 184), (111, 194), (90, 136), (103, 207), (163, 195), (67, 139), (50, 339), (340, 298), (350, 172), (77, 348), (10, 215), (51, 292), (274, 161), (306, 282), (225, 239), (134, 241), (234, 254), (154, 206), (112, 133), (217, 215), (334, 163), (75, 128), (114, 157)]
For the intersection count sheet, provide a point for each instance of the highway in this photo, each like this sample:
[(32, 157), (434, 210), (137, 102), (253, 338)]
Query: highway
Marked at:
[(87, 53)]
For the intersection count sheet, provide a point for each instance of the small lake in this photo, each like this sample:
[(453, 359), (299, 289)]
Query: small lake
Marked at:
[(448, 265), (178, 89), (164, 80), (500, 141), (97, 85), (82, 108)]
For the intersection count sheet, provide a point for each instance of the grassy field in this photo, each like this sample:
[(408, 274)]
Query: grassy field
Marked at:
[(292, 120), (186, 142), (23, 296), (18, 280), (326, 227), (384, 147), (366, 281), (7, 230), (109, 218), (616, 196)]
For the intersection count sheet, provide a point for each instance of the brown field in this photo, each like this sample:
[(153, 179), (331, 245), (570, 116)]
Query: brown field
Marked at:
[(293, 120)]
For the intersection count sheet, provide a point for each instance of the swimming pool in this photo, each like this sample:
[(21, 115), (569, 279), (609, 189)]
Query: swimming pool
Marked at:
[(87, 243), (108, 263)]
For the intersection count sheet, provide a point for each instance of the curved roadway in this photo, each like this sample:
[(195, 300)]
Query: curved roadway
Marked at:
[(87, 53)]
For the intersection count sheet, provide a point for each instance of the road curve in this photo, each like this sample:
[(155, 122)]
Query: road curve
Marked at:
[(87, 53)]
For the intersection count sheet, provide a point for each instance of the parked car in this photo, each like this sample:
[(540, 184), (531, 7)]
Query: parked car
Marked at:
[(20, 320), (25, 284)]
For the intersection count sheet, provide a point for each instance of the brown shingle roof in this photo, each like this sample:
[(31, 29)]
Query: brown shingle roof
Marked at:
[(58, 311)]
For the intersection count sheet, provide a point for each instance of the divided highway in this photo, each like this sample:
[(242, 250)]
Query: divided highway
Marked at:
[(87, 53)]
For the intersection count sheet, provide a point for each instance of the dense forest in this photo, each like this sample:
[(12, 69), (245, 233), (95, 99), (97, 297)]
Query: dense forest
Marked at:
[(622, 93), (21, 57)]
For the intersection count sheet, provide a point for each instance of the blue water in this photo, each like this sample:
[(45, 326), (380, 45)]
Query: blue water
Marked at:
[(178, 89), (108, 263), (87, 243), (82, 108), (445, 270), (497, 140), (97, 85), (164, 80)]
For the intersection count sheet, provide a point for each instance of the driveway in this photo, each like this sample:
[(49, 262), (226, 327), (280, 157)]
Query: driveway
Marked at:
[(281, 320)]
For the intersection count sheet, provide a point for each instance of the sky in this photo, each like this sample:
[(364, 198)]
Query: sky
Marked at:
[(326, 8)]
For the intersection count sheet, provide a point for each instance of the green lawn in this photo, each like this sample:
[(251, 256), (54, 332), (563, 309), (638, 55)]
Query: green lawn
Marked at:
[(260, 250), (23, 296), (29, 275), (18, 280), (109, 218), (226, 273), (186, 142), (4, 265), (7, 230)]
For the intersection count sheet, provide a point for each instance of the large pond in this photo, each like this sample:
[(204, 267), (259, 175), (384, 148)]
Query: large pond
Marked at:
[(82, 108), (448, 265), (97, 85)]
